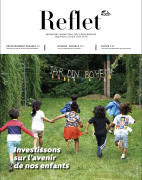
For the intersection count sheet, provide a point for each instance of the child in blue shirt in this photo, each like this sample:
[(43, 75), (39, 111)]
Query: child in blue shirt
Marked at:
[(113, 108), (67, 106)]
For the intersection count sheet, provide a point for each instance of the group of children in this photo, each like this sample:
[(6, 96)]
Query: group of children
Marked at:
[(121, 121)]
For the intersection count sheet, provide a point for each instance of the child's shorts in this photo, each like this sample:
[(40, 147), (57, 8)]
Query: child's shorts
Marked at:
[(37, 133), (11, 146), (122, 136)]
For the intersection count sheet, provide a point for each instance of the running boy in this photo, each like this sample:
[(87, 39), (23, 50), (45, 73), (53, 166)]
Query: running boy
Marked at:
[(67, 106), (113, 108), (14, 135), (122, 122), (99, 122)]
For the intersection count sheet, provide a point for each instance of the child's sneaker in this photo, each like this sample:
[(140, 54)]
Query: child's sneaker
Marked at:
[(11, 167), (123, 156), (68, 143), (120, 144), (111, 131)]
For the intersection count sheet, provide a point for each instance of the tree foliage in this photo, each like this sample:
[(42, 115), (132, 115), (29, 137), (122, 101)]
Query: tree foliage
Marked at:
[(10, 84), (12, 78), (132, 65), (32, 75), (132, 76), (74, 61)]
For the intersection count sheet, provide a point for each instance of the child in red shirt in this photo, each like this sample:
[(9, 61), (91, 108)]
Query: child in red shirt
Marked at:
[(14, 135)]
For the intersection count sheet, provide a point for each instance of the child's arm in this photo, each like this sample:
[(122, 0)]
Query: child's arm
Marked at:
[(110, 104), (59, 117), (110, 125), (45, 119), (26, 130), (132, 118), (81, 125), (86, 130), (3, 128)]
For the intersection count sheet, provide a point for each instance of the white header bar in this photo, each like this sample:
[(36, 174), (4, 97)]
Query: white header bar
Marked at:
[(76, 27)]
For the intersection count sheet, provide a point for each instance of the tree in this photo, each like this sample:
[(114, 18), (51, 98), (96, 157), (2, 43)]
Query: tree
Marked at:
[(132, 63), (11, 81)]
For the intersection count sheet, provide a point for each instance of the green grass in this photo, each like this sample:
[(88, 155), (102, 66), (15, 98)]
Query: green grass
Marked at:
[(85, 165)]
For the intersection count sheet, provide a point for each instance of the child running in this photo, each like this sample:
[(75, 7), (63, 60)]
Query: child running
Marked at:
[(113, 108), (14, 135), (67, 106), (122, 122), (99, 122), (37, 123), (71, 130)]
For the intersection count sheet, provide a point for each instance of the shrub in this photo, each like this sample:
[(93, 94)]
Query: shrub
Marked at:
[(65, 89)]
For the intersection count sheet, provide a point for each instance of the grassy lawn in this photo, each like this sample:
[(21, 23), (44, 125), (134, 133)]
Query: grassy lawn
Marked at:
[(85, 165)]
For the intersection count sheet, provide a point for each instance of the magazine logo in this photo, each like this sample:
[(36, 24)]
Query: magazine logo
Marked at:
[(105, 13), (73, 22)]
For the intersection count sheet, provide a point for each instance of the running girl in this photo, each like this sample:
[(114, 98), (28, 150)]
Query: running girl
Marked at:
[(71, 130), (37, 123)]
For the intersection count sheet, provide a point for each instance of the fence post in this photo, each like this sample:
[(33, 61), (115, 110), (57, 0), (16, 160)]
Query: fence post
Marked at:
[(105, 78), (25, 81), (108, 75)]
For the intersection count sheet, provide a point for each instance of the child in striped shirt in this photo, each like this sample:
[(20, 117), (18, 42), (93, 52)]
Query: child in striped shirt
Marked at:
[(14, 135)]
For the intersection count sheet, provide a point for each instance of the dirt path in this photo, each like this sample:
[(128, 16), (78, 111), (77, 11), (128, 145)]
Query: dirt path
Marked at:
[(95, 96)]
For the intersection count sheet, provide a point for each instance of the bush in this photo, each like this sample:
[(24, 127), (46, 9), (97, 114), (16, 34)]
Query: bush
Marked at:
[(117, 85)]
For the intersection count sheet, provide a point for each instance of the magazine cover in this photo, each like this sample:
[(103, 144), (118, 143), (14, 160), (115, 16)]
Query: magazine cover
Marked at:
[(70, 89)]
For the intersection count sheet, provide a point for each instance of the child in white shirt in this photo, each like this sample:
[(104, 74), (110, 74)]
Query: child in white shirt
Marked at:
[(121, 123), (37, 122)]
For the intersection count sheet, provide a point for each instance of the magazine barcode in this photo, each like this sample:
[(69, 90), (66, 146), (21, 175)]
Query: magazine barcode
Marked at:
[(95, 47), (44, 47)]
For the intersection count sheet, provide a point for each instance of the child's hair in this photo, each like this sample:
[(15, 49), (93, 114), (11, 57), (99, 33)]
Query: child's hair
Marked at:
[(74, 106), (36, 106), (74, 97), (14, 113), (117, 97), (99, 112), (125, 108)]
